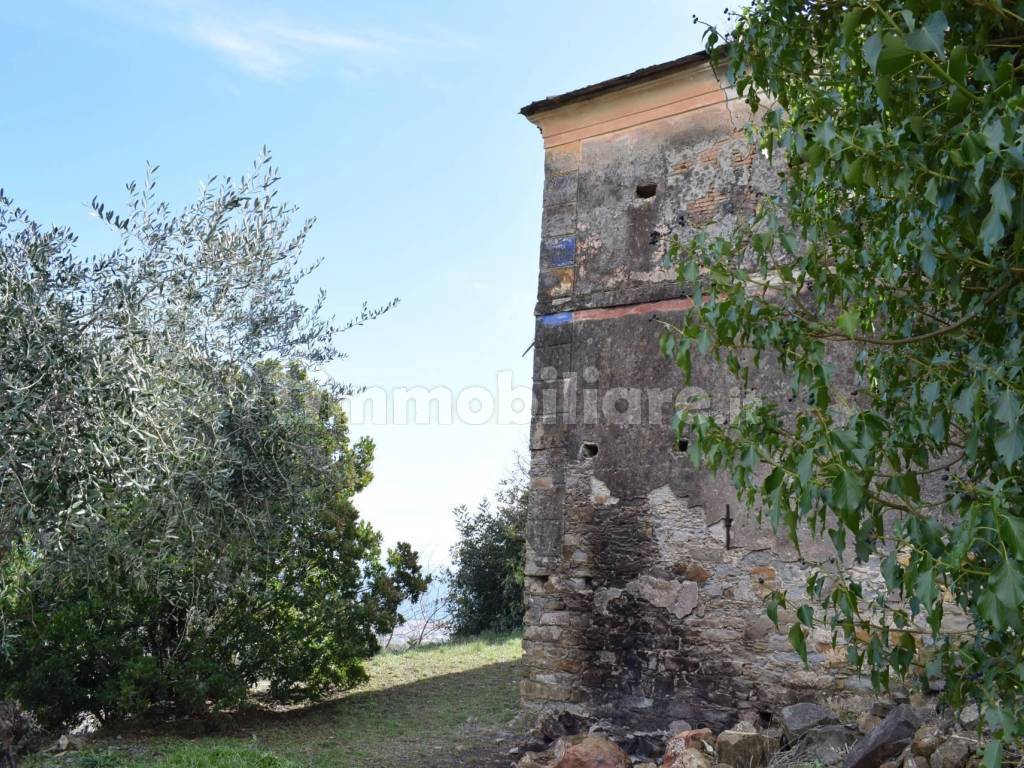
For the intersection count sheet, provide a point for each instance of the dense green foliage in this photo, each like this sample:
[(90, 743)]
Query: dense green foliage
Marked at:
[(898, 238), (486, 581), (176, 520)]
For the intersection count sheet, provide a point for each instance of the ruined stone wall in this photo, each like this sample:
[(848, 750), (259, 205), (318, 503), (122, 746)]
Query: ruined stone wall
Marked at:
[(645, 577)]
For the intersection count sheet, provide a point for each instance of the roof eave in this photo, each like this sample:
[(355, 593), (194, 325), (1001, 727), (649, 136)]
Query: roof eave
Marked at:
[(614, 84)]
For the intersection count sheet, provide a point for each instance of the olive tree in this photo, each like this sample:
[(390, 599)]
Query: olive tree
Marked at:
[(898, 233), (176, 479)]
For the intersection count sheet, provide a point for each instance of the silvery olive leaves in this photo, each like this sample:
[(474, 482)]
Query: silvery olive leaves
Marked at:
[(176, 476)]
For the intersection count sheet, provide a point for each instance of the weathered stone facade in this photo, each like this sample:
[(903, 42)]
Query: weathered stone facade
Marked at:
[(645, 577)]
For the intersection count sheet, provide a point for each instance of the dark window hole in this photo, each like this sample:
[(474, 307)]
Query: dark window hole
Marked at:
[(645, 191), (682, 445), (588, 450)]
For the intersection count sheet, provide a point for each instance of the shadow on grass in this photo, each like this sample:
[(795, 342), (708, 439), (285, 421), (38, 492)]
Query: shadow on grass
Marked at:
[(483, 693), (429, 707), (435, 721), (450, 692)]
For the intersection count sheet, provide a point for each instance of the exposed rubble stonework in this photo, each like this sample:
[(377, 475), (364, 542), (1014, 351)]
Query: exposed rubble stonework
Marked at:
[(645, 577)]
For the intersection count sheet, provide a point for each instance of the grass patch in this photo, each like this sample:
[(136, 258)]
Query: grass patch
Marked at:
[(438, 706), (185, 756)]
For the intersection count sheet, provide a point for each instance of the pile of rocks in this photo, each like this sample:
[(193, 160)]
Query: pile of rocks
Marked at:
[(801, 734)]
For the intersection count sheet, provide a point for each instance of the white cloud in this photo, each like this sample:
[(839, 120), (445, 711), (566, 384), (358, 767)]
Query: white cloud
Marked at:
[(278, 49), (322, 39), (249, 53), (261, 39)]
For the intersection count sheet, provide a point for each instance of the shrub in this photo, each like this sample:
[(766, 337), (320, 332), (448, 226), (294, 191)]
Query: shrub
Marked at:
[(486, 581), (176, 517)]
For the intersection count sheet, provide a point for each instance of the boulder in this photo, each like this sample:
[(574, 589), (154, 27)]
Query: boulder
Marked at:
[(554, 725), (867, 722), (926, 740), (692, 738), (548, 755), (594, 751), (678, 726), (827, 745), (531, 744), (969, 716), (798, 719), (701, 739), (609, 730), (67, 742), (642, 743), (952, 753), (536, 760), (886, 741), (741, 746), (689, 757)]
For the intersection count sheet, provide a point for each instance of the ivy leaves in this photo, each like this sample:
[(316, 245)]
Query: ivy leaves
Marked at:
[(930, 36), (993, 228), (847, 491), (888, 51), (1009, 444), (896, 246)]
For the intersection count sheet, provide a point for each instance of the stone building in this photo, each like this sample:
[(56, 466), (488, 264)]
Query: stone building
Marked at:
[(645, 577)]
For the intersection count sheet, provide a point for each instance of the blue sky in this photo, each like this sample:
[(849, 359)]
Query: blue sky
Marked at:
[(393, 123)]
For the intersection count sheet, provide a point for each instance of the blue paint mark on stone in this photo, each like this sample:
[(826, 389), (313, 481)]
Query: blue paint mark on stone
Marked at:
[(564, 252), (559, 318), (558, 252)]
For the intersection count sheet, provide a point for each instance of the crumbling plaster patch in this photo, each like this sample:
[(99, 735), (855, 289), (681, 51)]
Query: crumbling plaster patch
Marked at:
[(677, 597), (600, 495), (679, 529)]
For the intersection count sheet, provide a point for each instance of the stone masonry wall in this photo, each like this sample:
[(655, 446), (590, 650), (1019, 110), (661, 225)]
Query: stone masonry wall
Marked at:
[(645, 577)]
